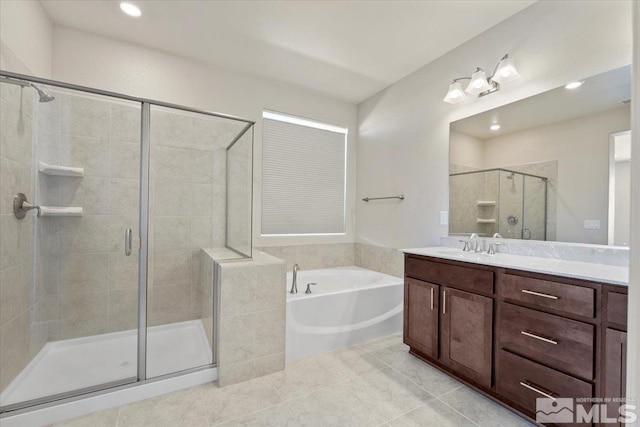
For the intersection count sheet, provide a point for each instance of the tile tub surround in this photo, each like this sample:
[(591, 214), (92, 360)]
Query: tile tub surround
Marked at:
[(602, 273), (372, 384), (251, 317), (314, 257), (581, 252)]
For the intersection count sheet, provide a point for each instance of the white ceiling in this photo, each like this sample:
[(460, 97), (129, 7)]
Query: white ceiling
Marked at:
[(598, 94), (346, 49)]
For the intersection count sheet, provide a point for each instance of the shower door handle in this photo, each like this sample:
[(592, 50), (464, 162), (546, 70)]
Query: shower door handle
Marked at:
[(127, 241)]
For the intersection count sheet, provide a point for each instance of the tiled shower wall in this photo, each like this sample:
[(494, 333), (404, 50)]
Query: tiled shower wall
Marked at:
[(20, 299), (466, 190), (91, 285), (188, 207)]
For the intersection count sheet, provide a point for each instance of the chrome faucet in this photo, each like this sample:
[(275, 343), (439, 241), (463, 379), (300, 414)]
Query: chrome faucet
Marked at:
[(497, 236), (294, 283), (476, 248)]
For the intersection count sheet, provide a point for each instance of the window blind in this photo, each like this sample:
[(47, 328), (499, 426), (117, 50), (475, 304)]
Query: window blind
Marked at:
[(303, 176)]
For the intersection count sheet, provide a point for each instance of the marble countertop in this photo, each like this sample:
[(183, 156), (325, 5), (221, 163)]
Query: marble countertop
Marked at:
[(614, 275)]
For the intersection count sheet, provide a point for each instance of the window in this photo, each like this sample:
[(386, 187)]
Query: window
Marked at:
[(303, 176)]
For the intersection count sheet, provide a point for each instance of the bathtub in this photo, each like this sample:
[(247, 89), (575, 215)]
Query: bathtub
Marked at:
[(349, 305)]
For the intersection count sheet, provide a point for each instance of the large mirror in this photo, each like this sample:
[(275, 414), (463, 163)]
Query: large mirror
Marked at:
[(554, 166)]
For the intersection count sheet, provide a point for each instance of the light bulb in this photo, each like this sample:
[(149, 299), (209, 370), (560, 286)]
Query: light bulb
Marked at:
[(506, 71), (478, 83), (574, 85), (495, 127), (130, 9), (455, 93)]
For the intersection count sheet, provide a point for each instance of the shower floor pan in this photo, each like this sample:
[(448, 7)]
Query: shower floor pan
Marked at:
[(75, 364)]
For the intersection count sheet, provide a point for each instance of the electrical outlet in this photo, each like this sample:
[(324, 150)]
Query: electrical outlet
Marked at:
[(592, 224), (444, 218)]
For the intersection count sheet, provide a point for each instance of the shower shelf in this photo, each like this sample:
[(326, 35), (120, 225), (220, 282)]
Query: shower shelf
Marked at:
[(48, 169), (486, 221), (486, 202)]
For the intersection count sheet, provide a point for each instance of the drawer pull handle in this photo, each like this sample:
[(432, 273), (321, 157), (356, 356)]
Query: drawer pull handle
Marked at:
[(431, 299), (540, 392), (538, 294), (538, 337)]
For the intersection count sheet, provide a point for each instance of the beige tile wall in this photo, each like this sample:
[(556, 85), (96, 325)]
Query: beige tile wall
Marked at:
[(22, 334), (239, 200), (90, 284), (251, 318), (312, 257), (378, 258), (188, 208)]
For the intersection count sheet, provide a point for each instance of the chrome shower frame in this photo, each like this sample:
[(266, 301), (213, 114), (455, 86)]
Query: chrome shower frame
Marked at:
[(145, 150)]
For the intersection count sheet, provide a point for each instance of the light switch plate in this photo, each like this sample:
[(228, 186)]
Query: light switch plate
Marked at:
[(444, 218), (592, 224)]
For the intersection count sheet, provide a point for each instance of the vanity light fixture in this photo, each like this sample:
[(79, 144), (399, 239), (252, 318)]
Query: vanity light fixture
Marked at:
[(131, 9), (456, 93), (574, 85), (494, 126), (505, 71)]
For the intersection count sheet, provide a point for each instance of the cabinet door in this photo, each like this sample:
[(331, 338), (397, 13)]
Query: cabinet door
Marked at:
[(421, 316), (467, 334), (615, 369)]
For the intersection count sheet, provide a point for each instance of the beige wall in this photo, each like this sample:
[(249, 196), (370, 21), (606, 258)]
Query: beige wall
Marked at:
[(622, 214), (469, 151), (581, 148), (27, 31)]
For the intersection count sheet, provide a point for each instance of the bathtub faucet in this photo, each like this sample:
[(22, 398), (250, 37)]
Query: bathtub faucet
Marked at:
[(294, 283)]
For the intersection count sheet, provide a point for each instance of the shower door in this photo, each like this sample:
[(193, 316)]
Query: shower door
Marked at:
[(111, 283), (69, 277)]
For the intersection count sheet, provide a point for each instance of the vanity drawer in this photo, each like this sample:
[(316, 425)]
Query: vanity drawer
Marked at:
[(557, 296), (523, 381), (465, 278), (617, 308), (560, 343)]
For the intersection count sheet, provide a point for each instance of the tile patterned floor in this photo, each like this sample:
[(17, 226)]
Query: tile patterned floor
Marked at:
[(372, 384)]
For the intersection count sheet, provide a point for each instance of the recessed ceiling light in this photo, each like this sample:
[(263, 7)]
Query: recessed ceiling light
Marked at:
[(574, 85), (130, 9), (494, 127)]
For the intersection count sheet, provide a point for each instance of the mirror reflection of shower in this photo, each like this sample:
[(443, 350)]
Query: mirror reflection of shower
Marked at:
[(504, 201), (44, 96)]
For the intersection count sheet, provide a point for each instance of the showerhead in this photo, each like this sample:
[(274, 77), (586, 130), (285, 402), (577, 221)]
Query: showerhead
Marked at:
[(44, 96), (510, 176)]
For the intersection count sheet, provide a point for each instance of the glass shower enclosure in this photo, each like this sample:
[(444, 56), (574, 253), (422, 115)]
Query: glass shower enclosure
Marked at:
[(107, 203), (511, 203)]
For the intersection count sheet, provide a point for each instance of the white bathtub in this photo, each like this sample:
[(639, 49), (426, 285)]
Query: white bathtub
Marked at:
[(348, 305)]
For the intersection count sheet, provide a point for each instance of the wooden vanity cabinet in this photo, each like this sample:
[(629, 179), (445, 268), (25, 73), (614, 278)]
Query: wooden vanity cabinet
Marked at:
[(614, 363), (466, 334), (449, 316), (514, 335), (421, 305)]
